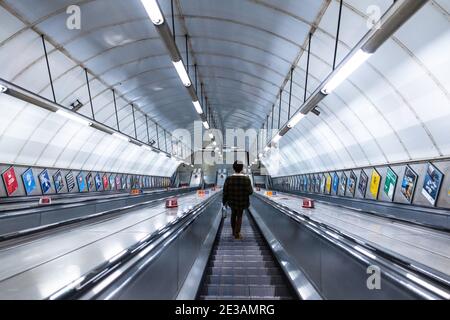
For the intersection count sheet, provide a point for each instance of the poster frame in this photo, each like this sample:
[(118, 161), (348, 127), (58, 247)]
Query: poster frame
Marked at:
[(361, 174), (439, 187), (395, 184), (414, 186), (374, 170), (58, 173), (23, 181), (40, 182)]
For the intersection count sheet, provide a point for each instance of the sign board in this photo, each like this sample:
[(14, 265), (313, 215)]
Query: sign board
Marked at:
[(389, 183), (46, 184), (58, 181), (409, 184), (10, 180), (81, 182), (362, 185), (375, 180), (29, 182), (432, 183), (70, 180)]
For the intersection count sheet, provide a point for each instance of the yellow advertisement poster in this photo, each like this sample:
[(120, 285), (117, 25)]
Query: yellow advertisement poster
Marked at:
[(375, 183), (328, 184)]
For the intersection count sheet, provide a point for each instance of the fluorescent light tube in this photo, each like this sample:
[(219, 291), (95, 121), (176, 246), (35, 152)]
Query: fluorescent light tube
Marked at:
[(198, 107), (345, 71), (72, 116), (295, 119), (277, 138), (206, 125), (181, 70), (153, 11), (121, 137)]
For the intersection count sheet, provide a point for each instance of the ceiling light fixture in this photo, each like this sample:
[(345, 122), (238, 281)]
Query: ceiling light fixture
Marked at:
[(72, 116), (198, 107), (345, 71), (153, 11), (121, 136), (295, 119), (206, 125), (182, 73), (3, 88)]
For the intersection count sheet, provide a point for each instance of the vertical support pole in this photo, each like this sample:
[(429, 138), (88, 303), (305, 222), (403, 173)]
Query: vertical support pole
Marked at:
[(146, 125), (48, 68), (307, 67), (195, 71), (267, 127), (290, 94), (187, 54), (115, 109), (134, 121), (279, 110), (157, 135), (273, 106), (89, 92), (337, 35), (173, 21), (165, 139)]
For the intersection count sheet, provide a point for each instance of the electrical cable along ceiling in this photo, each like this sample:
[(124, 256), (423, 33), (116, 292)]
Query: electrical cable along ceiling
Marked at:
[(394, 107)]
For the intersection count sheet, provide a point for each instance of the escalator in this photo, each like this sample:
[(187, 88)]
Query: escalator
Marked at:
[(243, 269)]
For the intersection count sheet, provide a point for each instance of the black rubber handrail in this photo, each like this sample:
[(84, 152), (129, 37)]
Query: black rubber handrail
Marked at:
[(88, 281)]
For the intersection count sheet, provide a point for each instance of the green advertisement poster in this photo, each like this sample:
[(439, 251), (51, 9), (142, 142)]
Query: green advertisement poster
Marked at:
[(390, 183)]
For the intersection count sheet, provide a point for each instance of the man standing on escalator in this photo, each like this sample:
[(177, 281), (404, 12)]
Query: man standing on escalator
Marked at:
[(236, 192)]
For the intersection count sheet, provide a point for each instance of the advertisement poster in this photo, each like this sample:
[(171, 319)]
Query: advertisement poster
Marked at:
[(46, 184), (70, 180), (28, 181), (322, 184), (343, 183), (118, 183), (105, 182), (10, 180), (81, 182), (335, 183), (328, 184), (129, 182), (90, 182), (389, 183), (111, 182), (98, 182), (124, 182), (351, 184), (375, 180), (305, 184), (59, 182), (409, 184), (363, 181), (432, 184)]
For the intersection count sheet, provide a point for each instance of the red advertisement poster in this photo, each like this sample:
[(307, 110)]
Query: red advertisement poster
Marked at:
[(11, 184), (105, 182)]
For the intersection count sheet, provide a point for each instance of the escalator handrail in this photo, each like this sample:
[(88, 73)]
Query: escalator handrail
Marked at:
[(153, 245), (32, 231), (423, 282)]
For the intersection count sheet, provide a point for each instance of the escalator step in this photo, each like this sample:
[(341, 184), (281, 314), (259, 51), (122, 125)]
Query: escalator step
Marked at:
[(245, 280), (245, 290), (242, 257), (243, 264), (243, 271), (243, 298)]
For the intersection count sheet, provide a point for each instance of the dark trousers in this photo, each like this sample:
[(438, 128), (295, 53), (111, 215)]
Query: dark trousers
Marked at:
[(236, 220)]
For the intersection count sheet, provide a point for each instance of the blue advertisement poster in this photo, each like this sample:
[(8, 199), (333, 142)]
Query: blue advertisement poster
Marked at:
[(432, 184), (28, 181), (335, 183), (81, 182), (111, 182), (59, 182), (44, 179), (98, 182), (90, 181)]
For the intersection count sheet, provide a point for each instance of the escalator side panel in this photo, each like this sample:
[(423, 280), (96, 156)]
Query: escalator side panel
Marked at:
[(333, 271)]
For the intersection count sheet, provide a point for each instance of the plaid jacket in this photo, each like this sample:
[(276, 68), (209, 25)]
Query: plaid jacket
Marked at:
[(236, 192)]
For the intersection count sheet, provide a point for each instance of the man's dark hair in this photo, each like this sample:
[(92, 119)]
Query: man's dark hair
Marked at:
[(238, 167)]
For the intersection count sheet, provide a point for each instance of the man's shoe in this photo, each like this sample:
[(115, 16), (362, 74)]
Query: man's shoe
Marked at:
[(239, 237)]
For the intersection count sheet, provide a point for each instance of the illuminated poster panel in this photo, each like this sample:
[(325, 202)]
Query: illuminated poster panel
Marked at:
[(362, 185), (98, 182), (389, 183), (59, 181), (305, 183), (343, 183), (81, 182), (118, 183), (44, 179), (335, 183), (328, 184), (111, 182), (10, 180), (105, 181), (70, 180), (432, 184), (322, 183), (351, 184), (29, 182), (124, 182), (409, 184), (375, 180), (90, 181)]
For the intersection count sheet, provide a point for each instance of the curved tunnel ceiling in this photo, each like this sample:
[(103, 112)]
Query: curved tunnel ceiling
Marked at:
[(395, 107)]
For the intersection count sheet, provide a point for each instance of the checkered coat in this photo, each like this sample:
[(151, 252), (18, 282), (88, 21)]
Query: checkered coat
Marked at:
[(236, 192)]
